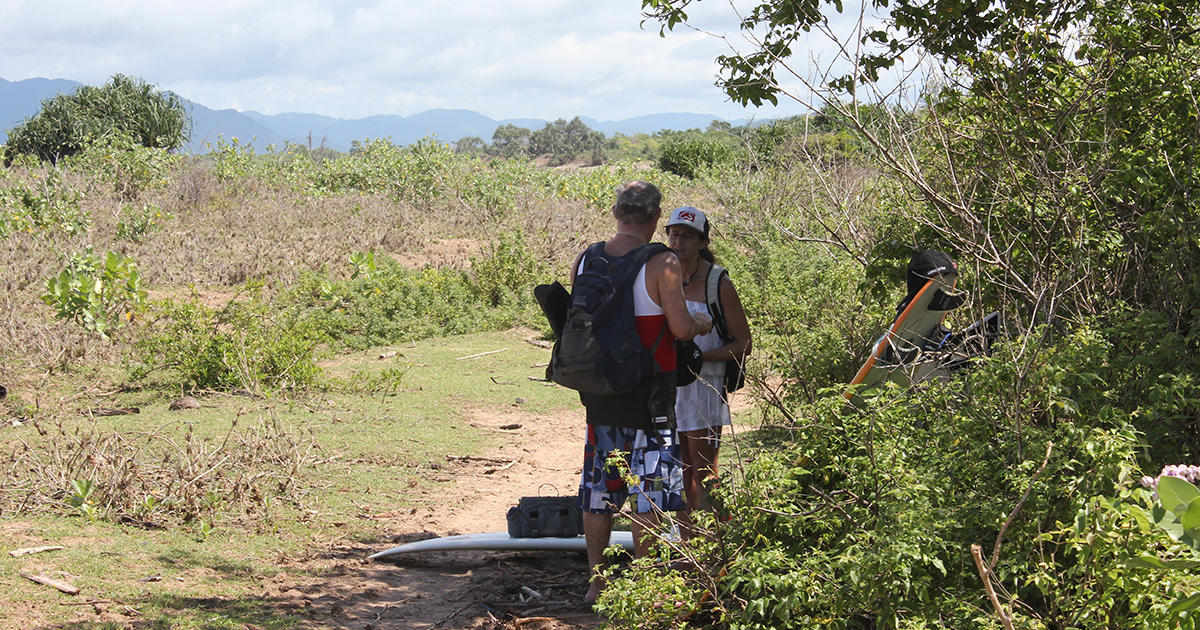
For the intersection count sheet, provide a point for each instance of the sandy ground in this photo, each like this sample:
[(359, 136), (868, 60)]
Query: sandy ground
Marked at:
[(460, 589), (475, 590)]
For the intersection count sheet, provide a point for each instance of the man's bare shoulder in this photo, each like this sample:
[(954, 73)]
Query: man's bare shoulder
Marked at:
[(661, 262)]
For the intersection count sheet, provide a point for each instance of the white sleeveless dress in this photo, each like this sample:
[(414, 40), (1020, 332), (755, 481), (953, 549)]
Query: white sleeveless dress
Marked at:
[(699, 405)]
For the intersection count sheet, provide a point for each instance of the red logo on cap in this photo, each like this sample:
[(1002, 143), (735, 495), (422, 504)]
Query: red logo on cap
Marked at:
[(687, 216)]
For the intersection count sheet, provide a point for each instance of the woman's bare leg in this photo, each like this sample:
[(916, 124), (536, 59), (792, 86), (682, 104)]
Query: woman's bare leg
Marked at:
[(698, 450)]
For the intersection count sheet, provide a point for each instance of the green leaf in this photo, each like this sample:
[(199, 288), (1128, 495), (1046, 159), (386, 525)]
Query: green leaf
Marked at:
[(1138, 515), (941, 567), (1152, 562), (1175, 494), (1192, 602), (1168, 521), (1191, 519)]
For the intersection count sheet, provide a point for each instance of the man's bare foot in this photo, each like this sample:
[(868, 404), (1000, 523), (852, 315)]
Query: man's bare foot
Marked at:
[(598, 584)]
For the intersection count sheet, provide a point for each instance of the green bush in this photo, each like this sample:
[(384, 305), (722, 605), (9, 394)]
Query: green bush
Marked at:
[(393, 304), (687, 156), (234, 160), (250, 343), (382, 302), (68, 123), (55, 207), (99, 294), (811, 321), (127, 165), (135, 225), (507, 275), (865, 519)]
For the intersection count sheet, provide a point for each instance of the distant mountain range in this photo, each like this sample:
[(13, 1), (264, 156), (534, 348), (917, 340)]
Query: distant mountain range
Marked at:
[(22, 99)]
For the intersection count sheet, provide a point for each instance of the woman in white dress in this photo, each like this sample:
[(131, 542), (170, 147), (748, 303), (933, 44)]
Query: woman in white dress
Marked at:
[(701, 408)]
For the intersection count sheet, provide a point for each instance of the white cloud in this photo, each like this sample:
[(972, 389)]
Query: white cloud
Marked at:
[(351, 59)]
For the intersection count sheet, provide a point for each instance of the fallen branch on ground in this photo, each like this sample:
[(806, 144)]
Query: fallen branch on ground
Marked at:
[(69, 589), (17, 553), (481, 354)]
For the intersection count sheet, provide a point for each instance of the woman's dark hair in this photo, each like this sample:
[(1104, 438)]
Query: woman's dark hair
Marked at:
[(637, 203)]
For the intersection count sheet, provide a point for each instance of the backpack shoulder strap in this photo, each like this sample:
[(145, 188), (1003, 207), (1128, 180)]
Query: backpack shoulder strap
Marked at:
[(712, 294), (648, 251), (644, 254)]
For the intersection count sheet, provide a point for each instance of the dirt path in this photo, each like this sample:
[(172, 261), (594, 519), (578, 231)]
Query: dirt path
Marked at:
[(459, 589)]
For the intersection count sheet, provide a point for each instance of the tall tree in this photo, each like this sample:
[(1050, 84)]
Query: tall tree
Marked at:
[(1054, 124), (510, 141), (564, 141)]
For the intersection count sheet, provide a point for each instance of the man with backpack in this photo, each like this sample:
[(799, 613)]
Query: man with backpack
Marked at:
[(627, 274)]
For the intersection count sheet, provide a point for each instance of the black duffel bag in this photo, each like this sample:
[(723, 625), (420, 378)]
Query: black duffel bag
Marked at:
[(545, 517)]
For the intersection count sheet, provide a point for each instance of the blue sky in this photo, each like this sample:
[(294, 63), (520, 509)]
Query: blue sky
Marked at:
[(356, 58)]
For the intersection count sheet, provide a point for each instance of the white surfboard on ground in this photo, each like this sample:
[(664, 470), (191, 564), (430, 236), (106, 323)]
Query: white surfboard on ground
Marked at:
[(501, 541)]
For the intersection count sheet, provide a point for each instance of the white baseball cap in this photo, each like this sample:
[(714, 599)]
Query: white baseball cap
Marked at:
[(690, 217)]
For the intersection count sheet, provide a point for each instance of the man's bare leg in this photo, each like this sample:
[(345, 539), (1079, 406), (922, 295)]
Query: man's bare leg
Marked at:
[(597, 528)]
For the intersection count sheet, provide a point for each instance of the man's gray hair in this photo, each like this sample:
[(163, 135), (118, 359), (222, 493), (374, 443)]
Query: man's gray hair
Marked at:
[(637, 202)]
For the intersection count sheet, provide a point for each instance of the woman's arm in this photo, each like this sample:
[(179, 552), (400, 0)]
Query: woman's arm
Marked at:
[(736, 324)]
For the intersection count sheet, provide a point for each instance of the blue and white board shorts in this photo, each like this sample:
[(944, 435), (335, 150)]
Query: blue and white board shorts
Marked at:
[(652, 457)]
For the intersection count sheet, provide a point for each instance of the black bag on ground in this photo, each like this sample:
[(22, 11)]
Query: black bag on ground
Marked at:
[(599, 351), (545, 517)]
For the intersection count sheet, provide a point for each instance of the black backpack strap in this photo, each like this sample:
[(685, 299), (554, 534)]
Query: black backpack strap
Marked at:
[(644, 254), (648, 251)]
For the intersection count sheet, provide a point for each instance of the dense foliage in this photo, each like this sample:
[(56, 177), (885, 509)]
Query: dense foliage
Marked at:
[(125, 109), (560, 142), (1054, 160)]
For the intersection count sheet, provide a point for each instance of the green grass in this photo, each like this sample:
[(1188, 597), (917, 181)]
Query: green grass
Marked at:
[(367, 453)]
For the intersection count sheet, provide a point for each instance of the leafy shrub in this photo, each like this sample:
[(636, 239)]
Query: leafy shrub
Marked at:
[(791, 295), (234, 160), (130, 167), (392, 304), (854, 519), (687, 156), (135, 225), (250, 343), (383, 302), (862, 518), (125, 106), (509, 272), (98, 294), (55, 207)]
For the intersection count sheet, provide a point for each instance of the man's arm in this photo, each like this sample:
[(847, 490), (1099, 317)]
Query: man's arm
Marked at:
[(665, 269), (575, 267)]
